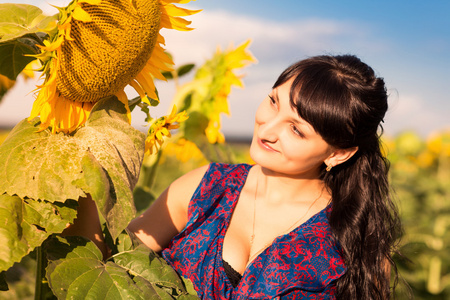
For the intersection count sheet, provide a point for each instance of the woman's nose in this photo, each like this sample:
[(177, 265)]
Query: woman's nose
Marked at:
[(269, 129)]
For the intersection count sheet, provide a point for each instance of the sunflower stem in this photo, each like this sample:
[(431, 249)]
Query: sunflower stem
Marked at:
[(150, 176), (42, 290), (39, 274)]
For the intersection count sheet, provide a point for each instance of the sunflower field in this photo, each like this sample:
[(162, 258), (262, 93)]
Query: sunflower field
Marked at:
[(420, 176), (78, 144)]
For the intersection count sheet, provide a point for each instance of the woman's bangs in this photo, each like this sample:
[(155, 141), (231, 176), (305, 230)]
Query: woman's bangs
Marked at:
[(319, 99)]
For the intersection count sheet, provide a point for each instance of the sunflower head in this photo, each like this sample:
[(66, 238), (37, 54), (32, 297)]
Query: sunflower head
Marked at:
[(102, 46), (107, 50), (161, 127)]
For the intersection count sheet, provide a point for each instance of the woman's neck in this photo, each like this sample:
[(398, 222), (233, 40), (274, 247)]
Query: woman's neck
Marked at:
[(279, 188)]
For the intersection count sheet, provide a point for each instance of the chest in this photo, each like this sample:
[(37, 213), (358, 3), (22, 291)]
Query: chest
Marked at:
[(302, 267), (253, 226), (301, 262)]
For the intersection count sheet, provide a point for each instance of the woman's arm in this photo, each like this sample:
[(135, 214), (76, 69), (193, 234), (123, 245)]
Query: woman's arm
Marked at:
[(168, 215), (87, 224)]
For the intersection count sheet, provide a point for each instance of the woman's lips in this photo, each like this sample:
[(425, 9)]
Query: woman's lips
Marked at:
[(265, 146)]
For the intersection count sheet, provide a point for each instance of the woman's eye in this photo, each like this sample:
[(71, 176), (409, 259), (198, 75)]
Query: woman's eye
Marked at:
[(296, 131), (272, 101)]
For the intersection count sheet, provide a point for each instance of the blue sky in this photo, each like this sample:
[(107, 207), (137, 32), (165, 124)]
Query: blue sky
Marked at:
[(406, 42)]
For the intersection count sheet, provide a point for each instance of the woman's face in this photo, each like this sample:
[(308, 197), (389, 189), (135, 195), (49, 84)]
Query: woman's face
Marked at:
[(283, 142)]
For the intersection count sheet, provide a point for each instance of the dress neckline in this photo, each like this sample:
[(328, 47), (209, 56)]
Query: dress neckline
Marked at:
[(237, 192)]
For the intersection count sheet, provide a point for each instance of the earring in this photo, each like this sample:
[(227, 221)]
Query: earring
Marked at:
[(329, 168)]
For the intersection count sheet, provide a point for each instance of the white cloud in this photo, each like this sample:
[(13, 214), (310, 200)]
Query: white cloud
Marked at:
[(411, 112), (271, 40)]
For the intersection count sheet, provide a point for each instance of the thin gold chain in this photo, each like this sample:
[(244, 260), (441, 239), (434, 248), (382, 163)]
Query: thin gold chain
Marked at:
[(252, 237)]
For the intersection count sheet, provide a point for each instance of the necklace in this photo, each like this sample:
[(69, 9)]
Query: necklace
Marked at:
[(252, 237)]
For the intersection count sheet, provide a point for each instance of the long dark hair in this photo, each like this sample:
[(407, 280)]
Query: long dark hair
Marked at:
[(345, 102)]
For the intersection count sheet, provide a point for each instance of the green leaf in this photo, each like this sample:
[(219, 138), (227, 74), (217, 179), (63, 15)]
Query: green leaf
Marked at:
[(103, 159), (22, 27), (145, 263), (41, 165), (181, 71), (13, 59), (119, 148), (124, 242), (167, 75), (18, 20), (75, 271), (184, 69), (143, 197), (27, 223)]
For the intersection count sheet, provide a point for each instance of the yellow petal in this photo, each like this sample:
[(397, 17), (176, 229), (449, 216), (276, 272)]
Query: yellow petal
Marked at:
[(173, 10), (67, 34), (80, 15), (53, 46), (92, 2), (124, 99), (147, 84), (151, 69), (160, 55), (165, 132), (140, 91), (175, 23)]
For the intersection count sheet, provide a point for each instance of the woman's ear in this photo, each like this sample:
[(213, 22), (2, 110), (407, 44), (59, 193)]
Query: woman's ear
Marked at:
[(338, 156)]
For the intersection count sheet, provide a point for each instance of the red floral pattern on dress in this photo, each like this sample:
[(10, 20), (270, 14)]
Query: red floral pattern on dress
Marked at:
[(302, 264)]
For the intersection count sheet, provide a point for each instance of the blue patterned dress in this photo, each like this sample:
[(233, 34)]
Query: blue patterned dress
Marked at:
[(302, 264)]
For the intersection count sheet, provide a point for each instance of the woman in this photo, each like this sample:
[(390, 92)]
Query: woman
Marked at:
[(312, 219)]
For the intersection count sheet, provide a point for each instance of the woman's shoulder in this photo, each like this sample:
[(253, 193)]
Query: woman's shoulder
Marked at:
[(190, 180), (221, 171), (206, 176), (211, 172)]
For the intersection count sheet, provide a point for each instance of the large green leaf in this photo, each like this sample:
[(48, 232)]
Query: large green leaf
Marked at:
[(76, 271), (22, 27), (102, 158), (40, 165), (18, 20), (119, 148), (27, 223)]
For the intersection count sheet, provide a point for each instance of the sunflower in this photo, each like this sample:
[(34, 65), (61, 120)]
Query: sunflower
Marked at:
[(232, 59), (185, 150), (100, 47), (161, 127)]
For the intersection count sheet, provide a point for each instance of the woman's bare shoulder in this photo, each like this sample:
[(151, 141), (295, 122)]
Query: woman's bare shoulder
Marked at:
[(168, 215), (184, 187)]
